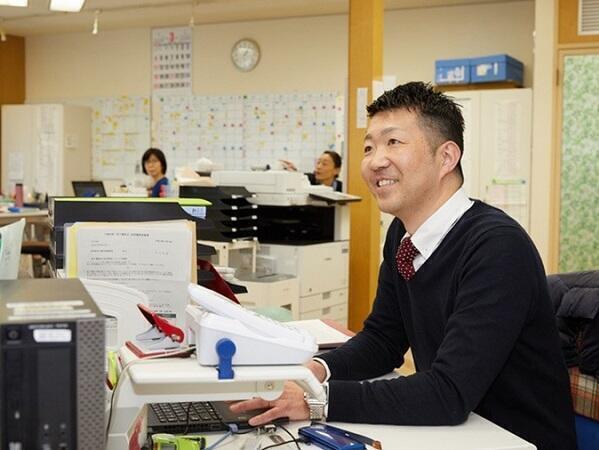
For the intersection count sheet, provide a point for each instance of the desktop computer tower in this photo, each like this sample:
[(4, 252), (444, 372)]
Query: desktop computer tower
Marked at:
[(52, 394)]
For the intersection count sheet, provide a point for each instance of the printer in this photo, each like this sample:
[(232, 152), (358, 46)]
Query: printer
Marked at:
[(292, 211), (303, 232)]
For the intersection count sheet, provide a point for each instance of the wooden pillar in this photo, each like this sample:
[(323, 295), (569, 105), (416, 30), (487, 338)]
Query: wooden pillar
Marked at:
[(12, 75), (365, 65)]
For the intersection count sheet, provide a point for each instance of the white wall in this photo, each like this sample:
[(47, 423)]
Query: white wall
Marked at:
[(302, 54), (415, 38)]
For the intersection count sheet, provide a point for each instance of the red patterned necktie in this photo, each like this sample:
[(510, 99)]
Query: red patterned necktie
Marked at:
[(406, 252)]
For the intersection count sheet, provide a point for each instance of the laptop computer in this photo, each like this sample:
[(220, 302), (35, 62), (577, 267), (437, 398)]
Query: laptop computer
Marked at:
[(88, 188), (201, 417)]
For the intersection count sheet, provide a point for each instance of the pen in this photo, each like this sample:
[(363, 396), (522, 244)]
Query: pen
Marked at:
[(356, 437)]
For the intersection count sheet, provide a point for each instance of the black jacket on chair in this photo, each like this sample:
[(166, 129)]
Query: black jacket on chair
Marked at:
[(575, 299)]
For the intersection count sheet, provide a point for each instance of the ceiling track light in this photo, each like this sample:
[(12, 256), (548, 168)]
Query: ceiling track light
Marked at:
[(95, 27)]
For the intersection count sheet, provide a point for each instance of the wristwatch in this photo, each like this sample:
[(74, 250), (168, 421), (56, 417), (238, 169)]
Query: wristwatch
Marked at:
[(318, 407)]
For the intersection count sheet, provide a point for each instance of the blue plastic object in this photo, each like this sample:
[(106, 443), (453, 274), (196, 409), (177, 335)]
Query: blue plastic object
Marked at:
[(587, 433), (500, 67), (225, 349), (452, 71)]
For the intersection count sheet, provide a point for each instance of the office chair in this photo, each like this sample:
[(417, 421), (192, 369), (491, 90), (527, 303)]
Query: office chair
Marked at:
[(575, 299)]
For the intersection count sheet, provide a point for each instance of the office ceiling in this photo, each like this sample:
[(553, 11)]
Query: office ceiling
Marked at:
[(119, 14)]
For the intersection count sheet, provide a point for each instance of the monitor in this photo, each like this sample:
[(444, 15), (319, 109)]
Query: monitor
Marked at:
[(88, 189), (11, 238)]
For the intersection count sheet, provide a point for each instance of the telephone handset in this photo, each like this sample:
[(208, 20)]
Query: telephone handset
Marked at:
[(259, 339)]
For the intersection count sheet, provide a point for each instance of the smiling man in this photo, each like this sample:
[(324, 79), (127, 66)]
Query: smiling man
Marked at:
[(461, 284)]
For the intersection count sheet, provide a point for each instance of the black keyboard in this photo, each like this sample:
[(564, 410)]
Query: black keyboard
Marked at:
[(203, 417), (177, 412)]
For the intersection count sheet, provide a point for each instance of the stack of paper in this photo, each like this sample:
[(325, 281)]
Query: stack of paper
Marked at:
[(157, 258), (328, 333)]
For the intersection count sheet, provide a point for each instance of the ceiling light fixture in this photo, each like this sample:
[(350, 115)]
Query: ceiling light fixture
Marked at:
[(66, 5), (95, 27), (20, 3)]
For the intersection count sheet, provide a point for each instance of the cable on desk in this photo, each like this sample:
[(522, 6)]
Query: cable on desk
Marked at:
[(281, 443), (290, 435), (232, 430)]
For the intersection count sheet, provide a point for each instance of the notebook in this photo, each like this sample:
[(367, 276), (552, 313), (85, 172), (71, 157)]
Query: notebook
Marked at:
[(203, 417)]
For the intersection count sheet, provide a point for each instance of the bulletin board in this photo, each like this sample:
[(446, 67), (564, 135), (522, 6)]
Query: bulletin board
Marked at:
[(579, 198), (120, 135), (245, 131)]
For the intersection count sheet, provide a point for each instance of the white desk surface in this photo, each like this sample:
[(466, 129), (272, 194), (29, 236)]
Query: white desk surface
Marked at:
[(475, 434)]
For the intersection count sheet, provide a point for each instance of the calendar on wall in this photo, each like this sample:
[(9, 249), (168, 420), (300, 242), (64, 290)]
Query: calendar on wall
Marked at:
[(172, 60), (241, 132)]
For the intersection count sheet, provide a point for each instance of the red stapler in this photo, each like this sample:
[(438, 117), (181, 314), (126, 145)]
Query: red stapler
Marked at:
[(161, 336)]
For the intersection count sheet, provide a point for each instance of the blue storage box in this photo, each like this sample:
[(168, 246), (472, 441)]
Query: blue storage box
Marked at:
[(496, 68), (452, 71)]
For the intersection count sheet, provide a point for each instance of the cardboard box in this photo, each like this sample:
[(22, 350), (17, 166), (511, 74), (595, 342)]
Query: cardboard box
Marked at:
[(495, 68), (452, 71)]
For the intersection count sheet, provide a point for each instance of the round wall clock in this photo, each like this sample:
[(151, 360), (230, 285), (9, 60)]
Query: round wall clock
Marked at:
[(245, 54)]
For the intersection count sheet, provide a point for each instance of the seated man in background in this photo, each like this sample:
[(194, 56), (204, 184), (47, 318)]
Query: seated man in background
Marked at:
[(461, 284)]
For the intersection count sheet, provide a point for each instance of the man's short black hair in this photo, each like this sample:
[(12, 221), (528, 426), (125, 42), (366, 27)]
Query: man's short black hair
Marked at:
[(158, 154), (438, 113)]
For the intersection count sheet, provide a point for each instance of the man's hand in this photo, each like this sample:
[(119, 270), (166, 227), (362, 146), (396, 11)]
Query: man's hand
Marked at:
[(290, 404)]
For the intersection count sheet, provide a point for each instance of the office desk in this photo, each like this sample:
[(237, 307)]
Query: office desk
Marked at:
[(475, 434), (184, 380), (33, 219), (36, 217)]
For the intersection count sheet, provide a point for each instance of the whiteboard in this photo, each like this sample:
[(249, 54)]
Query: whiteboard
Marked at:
[(244, 131)]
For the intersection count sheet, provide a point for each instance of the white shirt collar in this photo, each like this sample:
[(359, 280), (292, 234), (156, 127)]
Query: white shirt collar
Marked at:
[(430, 234)]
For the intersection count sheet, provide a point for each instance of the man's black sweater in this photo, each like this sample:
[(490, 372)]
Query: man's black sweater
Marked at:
[(478, 319)]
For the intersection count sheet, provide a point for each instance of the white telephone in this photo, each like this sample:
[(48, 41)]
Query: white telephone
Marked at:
[(259, 340)]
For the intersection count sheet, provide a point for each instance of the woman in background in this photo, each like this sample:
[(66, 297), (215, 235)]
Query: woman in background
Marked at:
[(153, 164), (326, 170)]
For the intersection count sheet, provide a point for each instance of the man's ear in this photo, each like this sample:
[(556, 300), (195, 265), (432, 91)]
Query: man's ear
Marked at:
[(450, 155)]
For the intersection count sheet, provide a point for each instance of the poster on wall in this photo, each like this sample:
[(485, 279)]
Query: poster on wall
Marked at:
[(171, 60)]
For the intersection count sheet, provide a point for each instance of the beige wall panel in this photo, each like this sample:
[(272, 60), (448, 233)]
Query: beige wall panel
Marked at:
[(415, 38), (302, 54), (83, 65)]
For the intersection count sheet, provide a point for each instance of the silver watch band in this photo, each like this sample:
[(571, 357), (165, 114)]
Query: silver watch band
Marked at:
[(318, 408)]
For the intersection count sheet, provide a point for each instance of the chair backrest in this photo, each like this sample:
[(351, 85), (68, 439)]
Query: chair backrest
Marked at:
[(11, 237)]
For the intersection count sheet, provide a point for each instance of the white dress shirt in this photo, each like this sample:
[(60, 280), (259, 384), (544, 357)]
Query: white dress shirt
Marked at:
[(430, 234)]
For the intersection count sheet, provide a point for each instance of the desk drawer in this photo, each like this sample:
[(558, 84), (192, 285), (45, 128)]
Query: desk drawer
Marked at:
[(337, 313), (319, 301)]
